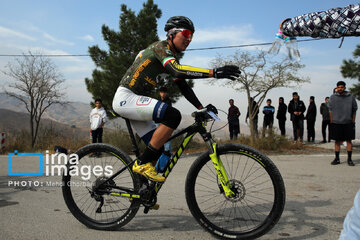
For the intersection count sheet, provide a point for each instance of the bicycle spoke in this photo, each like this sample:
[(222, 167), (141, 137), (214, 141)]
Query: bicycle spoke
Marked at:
[(88, 201), (253, 189)]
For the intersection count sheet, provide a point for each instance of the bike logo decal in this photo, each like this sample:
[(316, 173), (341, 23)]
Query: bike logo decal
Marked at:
[(122, 103)]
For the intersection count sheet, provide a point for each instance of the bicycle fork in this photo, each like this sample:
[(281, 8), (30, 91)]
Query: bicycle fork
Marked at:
[(220, 170)]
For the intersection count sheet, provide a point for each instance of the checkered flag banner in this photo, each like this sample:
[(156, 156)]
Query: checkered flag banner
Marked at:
[(333, 23)]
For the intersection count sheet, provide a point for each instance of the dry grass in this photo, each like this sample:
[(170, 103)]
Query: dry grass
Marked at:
[(272, 143), (49, 137)]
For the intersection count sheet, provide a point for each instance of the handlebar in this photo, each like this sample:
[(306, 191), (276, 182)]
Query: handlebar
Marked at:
[(204, 115)]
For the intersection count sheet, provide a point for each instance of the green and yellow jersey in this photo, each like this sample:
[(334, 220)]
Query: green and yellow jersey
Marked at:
[(156, 60)]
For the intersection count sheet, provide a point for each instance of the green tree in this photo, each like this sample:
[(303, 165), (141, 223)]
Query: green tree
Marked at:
[(136, 32), (351, 69)]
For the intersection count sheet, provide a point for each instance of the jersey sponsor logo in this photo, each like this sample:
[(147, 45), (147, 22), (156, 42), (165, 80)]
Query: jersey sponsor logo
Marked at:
[(151, 81), (143, 101), (197, 74), (138, 71), (122, 103)]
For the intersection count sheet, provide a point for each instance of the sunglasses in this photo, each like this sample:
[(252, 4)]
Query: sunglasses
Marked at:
[(187, 33)]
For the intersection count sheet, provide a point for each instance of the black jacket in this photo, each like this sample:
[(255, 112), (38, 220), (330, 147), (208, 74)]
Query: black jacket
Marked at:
[(324, 111), (298, 106), (311, 112), (281, 112), (254, 104)]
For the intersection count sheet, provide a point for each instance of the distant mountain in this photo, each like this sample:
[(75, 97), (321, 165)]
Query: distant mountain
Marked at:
[(74, 113), (15, 122)]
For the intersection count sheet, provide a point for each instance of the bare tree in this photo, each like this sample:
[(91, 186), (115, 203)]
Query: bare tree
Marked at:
[(38, 84), (259, 75)]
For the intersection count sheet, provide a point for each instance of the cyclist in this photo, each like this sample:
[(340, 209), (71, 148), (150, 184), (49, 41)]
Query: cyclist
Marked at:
[(131, 98)]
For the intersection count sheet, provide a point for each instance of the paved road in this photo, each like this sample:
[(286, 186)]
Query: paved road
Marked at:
[(318, 197)]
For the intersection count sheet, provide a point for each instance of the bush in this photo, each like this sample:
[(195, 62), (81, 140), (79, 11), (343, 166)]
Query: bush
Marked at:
[(47, 138), (18, 141), (270, 143)]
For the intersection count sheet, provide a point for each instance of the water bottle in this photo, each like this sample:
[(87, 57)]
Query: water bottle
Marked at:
[(292, 47), (278, 42), (162, 162)]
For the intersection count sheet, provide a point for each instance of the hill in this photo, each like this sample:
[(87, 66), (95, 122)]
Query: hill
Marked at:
[(15, 122), (74, 113)]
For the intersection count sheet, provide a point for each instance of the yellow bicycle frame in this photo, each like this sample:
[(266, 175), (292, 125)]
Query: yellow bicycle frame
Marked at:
[(220, 170)]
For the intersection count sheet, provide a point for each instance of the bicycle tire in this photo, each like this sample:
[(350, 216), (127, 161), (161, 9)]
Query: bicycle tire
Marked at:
[(122, 210), (260, 198)]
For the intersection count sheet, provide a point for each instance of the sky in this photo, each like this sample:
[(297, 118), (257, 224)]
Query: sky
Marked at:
[(70, 27)]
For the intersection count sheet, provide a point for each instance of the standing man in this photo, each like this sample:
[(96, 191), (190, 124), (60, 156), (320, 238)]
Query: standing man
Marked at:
[(310, 119), (268, 112), (296, 108), (281, 115), (324, 111), (97, 121), (233, 119), (253, 106), (342, 107)]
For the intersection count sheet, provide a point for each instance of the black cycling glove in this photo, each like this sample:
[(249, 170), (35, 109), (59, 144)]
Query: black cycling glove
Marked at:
[(211, 108), (227, 71)]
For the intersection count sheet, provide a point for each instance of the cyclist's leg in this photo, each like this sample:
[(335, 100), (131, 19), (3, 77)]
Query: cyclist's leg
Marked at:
[(153, 151), (145, 109)]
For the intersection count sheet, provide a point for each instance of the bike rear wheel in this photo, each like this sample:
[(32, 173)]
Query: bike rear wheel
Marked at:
[(80, 194), (257, 183)]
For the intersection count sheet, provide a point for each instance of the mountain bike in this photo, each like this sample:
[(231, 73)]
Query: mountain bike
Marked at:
[(232, 190)]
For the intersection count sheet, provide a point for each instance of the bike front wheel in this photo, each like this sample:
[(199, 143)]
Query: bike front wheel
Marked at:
[(259, 193), (97, 206)]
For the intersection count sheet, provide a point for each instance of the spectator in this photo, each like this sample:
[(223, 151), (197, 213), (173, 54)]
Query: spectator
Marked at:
[(164, 96), (253, 106), (233, 119), (281, 115), (310, 119), (296, 108), (97, 121), (324, 111), (268, 112), (342, 108)]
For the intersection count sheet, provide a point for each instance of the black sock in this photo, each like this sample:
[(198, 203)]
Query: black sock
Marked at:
[(349, 155), (150, 155), (337, 155)]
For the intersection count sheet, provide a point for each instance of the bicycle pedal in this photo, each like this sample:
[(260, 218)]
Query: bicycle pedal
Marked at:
[(155, 207)]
